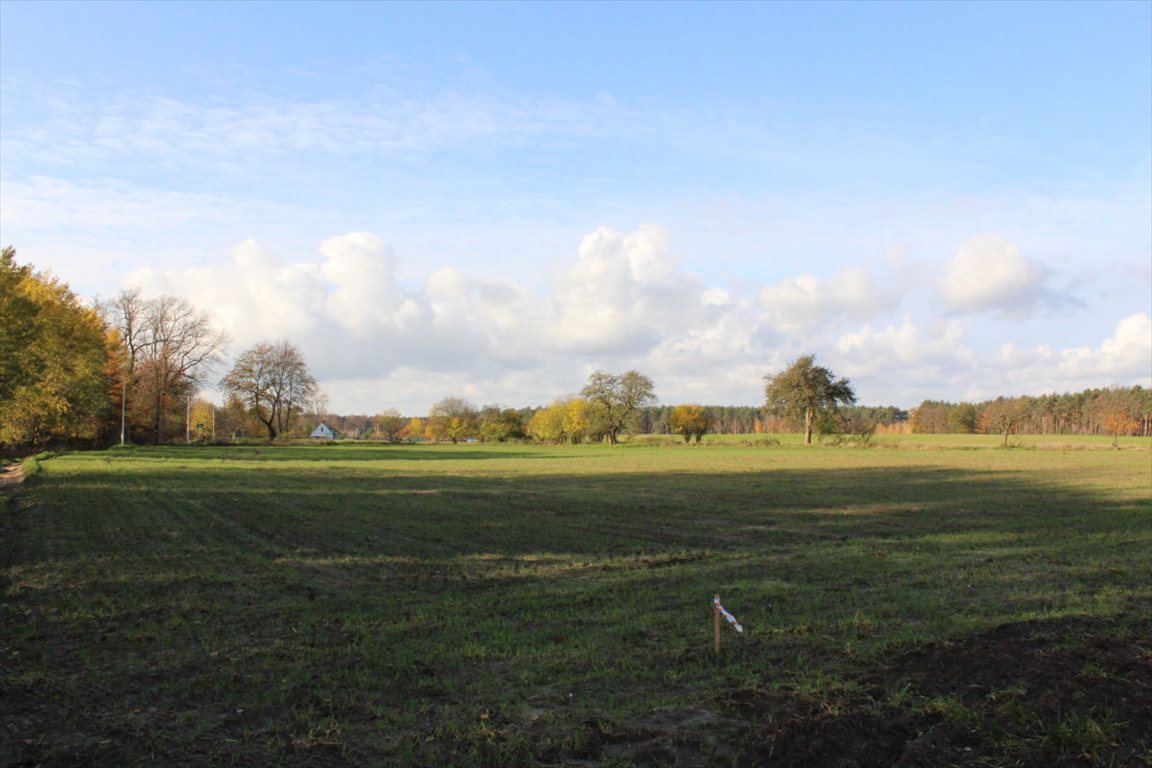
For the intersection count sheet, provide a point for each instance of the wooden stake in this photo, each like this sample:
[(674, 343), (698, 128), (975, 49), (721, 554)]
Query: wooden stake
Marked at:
[(716, 625)]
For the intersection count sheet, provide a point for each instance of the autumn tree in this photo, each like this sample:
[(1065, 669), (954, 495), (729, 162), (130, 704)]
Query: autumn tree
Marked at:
[(1003, 415), (413, 430), (613, 398), (274, 382), (1118, 411), (1118, 423), (167, 348), (388, 425), (18, 361), (53, 358), (806, 391), (962, 418), (499, 425), (691, 421), (547, 424), (452, 418), (201, 420), (235, 420), (577, 423), (180, 348), (930, 417)]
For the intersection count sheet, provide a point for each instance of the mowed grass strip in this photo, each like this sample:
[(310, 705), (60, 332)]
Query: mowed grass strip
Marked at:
[(512, 605)]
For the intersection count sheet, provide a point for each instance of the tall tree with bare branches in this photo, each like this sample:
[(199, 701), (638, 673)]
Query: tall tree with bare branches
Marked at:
[(274, 382), (177, 348)]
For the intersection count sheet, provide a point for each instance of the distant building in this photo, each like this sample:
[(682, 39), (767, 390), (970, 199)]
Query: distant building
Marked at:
[(324, 432)]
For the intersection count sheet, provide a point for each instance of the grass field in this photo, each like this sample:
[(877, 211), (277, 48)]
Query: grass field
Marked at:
[(919, 603)]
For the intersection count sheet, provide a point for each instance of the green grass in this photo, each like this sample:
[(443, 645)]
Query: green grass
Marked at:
[(478, 604)]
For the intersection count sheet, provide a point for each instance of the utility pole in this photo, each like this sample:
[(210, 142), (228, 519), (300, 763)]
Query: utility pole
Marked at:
[(123, 410)]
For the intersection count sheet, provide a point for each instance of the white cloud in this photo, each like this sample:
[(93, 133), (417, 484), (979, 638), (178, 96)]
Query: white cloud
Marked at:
[(907, 363), (802, 304), (255, 297), (362, 294), (623, 295), (989, 273), (1124, 356), (715, 297), (623, 301), (904, 363), (875, 351)]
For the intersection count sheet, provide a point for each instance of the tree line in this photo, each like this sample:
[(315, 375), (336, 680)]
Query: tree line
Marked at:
[(1113, 411), (128, 370), (76, 373), (577, 419)]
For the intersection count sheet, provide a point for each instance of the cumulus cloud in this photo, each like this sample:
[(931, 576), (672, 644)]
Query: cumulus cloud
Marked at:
[(492, 323), (896, 345), (1123, 358), (621, 301), (989, 273), (907, 362), (363, 296), (802, 304), (254, 295), (1125, 355), (898, 363), (624, 294)]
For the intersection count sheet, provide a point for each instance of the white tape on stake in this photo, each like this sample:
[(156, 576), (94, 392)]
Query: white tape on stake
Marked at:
[(731, 619)]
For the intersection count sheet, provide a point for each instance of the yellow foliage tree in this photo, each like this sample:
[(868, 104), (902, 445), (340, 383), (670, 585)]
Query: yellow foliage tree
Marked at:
[(691, 421), (547, 424), (413, 430), (55, 360), (577, 420)]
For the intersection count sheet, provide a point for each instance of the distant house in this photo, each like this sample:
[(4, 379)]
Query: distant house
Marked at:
[(324, 432)]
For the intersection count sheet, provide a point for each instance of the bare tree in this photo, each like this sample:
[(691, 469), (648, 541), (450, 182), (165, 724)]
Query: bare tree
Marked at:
[(167, 347), (274, 382), (125, 315), (178, 348)]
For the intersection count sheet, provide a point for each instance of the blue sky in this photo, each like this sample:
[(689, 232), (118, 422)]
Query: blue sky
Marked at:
[(939, 200)]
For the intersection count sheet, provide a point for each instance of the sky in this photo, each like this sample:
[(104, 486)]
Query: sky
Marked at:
[(946, 201)]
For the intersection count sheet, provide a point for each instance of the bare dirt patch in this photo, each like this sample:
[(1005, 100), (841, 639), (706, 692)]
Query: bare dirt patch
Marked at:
[(1068, 692), (11, 477)]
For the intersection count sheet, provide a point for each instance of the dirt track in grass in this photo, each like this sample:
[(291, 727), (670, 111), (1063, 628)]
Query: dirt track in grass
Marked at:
[(11, 476)]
